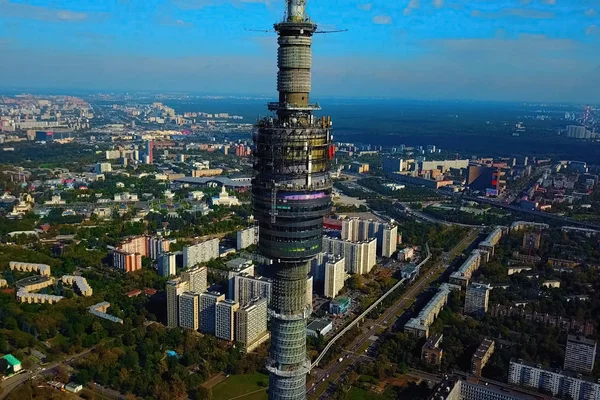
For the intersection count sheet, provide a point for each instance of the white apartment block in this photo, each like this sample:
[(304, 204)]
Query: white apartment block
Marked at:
[(580, 354), (360, 257), (251, 324), (360, 230), (175, 288), (200, 253), (248, 287), (335, 276), (197, 277), (207, 310), (559, 384), (237, 266), (477, 298), (225, 319), (188, 310), (247, 237)]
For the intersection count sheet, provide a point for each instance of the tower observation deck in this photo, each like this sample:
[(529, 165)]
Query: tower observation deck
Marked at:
[(291, 193)]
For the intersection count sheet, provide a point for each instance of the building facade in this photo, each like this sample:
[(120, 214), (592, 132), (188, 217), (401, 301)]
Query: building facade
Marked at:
[(207, 311), (477, 298), (580, 354), (251, 324), (188, 310), (225, 319), (200, 253), (175, 288), (334, 276)]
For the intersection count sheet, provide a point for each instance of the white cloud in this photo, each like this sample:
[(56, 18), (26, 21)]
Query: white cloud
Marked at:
[(591, 12), (365, 7), (412, 5), (382, 20), (592, 30), (438, 3), (549, 2), (513, 12), (9, 9)]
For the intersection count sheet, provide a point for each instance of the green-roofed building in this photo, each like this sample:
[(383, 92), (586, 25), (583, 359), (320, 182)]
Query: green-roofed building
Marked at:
[(14, 365)]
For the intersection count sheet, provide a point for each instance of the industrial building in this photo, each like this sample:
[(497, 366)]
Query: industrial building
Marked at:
[(291, 194)]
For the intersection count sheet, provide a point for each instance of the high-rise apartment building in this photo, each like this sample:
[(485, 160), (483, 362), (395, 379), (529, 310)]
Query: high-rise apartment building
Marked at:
[(157, 246), (188, 310), (476, 299), (580, 354), (237, 266), (334, 276), (175, 288), (248, 287), (207, 310), (225, 319), (167, 264), (197, 277), (359, 257), (251, 324), (291, 193), (246, 237), (126, 262), (200, 253), (360, 230)]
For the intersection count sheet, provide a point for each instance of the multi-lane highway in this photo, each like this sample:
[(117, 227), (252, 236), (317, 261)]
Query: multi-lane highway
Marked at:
[(322, 380)]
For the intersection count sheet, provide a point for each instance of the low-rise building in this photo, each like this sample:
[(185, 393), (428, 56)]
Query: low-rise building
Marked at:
[(419, 326), (319, 327), (431, 352)]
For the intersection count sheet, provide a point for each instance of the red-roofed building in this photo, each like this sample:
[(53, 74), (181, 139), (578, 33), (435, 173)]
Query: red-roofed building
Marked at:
[(134, 293)]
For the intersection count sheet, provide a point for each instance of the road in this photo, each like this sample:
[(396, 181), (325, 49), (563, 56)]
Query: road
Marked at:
[(324, 379), (14, 382)]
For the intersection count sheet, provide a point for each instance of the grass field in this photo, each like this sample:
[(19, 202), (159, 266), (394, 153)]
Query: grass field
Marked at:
[(360, 394), (244, 387)]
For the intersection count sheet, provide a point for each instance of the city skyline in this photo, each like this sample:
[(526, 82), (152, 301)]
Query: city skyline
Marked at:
[(518, 50)]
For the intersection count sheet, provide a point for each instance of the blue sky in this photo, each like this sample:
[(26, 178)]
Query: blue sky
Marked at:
[(531, 50)]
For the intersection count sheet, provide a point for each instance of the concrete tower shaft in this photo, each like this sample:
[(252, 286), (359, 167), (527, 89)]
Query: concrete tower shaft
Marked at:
[(291, 193)]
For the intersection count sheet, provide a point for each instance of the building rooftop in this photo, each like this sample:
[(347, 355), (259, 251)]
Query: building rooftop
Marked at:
[(11, 360), (483, 348), (318, 325)]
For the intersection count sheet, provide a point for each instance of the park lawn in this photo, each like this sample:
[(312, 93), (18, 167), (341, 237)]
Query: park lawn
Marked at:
[(361, 394), (239, 385)]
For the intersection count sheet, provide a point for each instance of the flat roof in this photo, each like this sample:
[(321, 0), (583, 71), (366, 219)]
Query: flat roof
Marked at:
[(318, 324)]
